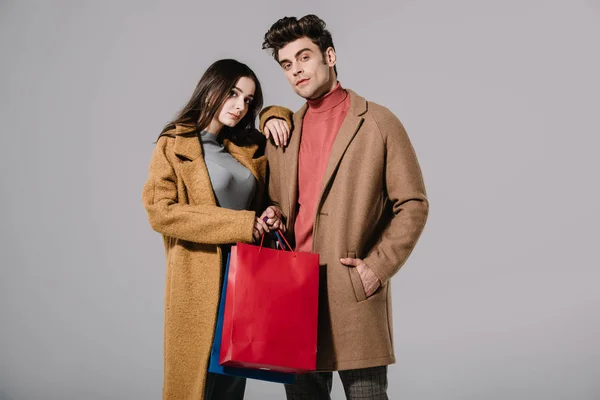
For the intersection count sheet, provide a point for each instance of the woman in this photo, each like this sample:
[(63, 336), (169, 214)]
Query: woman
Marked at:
[(206, 183)]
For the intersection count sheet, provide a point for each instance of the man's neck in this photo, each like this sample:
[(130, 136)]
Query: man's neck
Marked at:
[(328, 89), (328, 101)]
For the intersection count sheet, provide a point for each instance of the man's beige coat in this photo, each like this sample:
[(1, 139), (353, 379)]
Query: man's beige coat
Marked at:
[(372, 206)]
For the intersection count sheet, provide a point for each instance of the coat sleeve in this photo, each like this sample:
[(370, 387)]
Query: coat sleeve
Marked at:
[(275, 112), (205, 224), (274, 189), (406, 193)]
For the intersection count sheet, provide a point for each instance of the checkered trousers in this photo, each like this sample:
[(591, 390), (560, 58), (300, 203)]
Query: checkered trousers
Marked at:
[(359, 384)]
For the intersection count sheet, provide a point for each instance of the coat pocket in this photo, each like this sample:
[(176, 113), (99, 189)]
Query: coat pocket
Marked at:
[(357, 285)]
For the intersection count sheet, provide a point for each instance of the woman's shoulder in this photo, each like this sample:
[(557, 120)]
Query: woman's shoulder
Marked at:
[(179, 141), (171, 132), (178, 128)]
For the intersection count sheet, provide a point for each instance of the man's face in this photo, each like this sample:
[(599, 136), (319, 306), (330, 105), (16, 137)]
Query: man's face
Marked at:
[(309, 71)]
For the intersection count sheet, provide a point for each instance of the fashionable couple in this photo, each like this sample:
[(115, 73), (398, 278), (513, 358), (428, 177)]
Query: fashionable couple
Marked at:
[(339, 177)]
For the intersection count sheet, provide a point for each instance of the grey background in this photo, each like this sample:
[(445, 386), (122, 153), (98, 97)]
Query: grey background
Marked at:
[(500, 299)]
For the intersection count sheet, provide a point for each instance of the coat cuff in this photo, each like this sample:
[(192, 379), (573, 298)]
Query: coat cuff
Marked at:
[(245, 233)]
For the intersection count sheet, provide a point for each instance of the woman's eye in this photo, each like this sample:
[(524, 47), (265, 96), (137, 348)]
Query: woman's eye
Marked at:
[(232, 94), (248, 101)]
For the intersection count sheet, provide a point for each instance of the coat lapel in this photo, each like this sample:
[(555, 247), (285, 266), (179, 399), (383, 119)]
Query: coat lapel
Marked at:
[(291, 161), (244, 156), (349, 128), (194, 172)]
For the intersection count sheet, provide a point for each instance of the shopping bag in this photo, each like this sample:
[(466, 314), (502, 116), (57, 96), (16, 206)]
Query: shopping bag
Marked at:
[(271, 309), (215, 367)]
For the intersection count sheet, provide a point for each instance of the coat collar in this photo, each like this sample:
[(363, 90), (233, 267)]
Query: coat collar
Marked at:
[(195, 173), (188, 146), (186, 142)]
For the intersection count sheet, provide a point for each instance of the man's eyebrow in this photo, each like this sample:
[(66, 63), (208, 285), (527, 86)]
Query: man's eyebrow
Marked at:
[(295, 55), (242, 92)]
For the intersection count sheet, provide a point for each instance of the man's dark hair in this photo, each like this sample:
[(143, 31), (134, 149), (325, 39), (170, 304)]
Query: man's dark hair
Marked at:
[(289, 29)]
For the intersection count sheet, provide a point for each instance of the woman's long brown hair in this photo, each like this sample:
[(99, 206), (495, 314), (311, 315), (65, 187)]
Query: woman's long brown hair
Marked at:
[(212, 90)]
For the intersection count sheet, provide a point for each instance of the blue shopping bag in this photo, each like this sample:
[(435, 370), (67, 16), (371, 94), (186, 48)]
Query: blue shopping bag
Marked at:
[(215, 352)]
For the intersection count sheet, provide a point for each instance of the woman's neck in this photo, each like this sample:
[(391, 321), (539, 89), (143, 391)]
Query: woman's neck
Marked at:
[(214, 127)]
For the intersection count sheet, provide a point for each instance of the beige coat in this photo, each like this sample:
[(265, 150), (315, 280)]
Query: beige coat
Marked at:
[(372, 206), (179, 199)]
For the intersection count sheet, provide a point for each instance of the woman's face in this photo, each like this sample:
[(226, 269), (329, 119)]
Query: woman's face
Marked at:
[(236, 106)]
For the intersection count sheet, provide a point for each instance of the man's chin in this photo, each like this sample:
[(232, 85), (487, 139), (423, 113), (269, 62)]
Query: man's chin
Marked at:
[(306, 94)]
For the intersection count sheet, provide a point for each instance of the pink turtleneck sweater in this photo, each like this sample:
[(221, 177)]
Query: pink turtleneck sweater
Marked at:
[(320, 126)]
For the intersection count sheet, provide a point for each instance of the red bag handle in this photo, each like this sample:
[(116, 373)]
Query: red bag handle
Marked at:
[(279, 235)]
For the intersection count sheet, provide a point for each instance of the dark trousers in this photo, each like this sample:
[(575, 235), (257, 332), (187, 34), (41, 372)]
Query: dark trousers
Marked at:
[(223, 387), (359, 384)]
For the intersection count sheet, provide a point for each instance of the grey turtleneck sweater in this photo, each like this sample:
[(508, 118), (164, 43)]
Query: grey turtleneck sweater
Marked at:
[(232, 183)]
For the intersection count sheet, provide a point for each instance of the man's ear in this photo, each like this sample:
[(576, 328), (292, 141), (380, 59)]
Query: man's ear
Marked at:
[(330, 57)]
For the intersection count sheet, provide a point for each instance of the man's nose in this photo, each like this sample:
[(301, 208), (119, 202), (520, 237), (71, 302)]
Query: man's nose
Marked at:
[(297, 69)]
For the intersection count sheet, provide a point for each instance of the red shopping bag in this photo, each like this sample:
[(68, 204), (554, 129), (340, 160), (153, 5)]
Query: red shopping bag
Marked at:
[(271, 310)]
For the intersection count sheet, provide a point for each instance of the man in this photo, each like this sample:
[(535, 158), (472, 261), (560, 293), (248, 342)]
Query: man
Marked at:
[(350, 186)]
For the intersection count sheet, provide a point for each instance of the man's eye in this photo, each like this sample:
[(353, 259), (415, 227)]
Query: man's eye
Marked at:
[(304, 58), (287, 66)]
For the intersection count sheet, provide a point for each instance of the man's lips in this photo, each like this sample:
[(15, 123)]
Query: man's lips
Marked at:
[(301, 81)]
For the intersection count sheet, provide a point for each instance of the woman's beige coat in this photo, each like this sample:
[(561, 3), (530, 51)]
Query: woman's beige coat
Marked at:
[(179, 199)]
